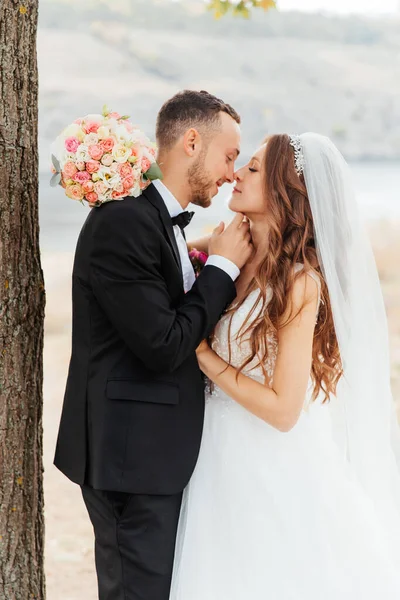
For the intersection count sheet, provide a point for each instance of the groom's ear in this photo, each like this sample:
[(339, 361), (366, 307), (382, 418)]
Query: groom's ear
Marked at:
[(191, 142)]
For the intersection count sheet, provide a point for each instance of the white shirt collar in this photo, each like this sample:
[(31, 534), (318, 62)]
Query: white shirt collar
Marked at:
[(172, 204)]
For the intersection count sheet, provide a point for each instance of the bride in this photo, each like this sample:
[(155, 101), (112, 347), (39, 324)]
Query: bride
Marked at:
[(296, 492)]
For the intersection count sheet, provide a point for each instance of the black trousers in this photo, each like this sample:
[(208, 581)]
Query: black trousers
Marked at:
[(134, 543)]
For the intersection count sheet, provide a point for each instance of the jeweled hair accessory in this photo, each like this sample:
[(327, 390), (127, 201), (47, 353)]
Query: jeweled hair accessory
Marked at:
[(299, 162)]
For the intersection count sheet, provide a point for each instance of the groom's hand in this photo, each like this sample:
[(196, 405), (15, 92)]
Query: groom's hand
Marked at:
[(234, 242)]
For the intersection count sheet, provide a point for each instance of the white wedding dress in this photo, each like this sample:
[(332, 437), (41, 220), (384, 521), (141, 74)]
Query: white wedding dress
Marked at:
[(277, 516)]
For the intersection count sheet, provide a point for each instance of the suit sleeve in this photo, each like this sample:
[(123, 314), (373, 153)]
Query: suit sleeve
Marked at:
[(131, 289)]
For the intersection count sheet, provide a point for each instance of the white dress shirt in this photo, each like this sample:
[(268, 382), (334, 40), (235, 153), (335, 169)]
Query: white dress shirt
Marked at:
[(174, 209)]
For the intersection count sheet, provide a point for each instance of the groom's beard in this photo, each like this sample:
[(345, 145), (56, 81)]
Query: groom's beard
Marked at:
[(200, 183)]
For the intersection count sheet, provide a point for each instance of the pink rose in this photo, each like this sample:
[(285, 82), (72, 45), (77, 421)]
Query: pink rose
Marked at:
[(107, 144), (88, 187), (107, 160), (114, 115), (203, 257), (128, 182), (144, 184), (128, 125), (74, 191), (91, 127), (152, 151), (81, 166), (125, 170), (95, 151), (100, 188), (92, 197), (72, 144), (145, 164), (134, 153), (69, 170), (78, 121), (92, 166), (82, 177), (117, 195)]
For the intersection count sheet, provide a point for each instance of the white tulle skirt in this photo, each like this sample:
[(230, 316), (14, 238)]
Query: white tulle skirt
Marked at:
[(278, 516)]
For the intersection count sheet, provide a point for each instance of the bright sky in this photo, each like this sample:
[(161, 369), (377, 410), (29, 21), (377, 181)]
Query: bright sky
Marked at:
[(342, 6)]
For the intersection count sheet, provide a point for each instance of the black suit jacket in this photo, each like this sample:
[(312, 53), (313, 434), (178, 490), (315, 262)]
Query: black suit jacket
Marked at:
[(134, 403)]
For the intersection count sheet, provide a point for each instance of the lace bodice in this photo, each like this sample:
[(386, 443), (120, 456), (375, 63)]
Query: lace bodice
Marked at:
[(227, 331)]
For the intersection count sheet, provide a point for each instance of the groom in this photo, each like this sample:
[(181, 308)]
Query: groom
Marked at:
[(133, 409)]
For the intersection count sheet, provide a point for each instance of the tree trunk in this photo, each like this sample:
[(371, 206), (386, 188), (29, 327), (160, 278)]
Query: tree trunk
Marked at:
[(22, 302)]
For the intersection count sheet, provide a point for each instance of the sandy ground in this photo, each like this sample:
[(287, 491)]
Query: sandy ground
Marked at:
[(69, 539)]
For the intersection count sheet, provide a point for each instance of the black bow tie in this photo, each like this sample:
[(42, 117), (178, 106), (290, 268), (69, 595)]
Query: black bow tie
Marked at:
[(183, 219)]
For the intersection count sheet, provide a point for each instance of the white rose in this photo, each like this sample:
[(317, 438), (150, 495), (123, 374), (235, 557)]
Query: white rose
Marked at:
[(58, 149), (135, 191), (114, 181), (121, 153), (146, 154), (111, 124), (96, 118), (107, 160), (139, 137), (110, 179), (103, 132), (74, 130), (82, 154), (91, 138), (122, 133), (103, 173)]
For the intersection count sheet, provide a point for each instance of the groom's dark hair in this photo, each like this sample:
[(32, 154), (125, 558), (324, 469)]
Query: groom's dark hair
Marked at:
[(189, 109)]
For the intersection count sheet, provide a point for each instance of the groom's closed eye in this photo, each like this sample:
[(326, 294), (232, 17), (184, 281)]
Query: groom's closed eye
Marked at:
[(233, 154)]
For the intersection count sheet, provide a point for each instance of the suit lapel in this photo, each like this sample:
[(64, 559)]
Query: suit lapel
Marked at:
[(154, 197)]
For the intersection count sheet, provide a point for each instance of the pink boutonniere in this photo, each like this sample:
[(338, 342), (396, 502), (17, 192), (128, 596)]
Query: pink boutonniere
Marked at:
[(198, 260)]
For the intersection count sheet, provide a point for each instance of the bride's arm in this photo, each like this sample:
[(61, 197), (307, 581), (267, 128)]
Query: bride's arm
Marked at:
[(281, 405), (201, 244)]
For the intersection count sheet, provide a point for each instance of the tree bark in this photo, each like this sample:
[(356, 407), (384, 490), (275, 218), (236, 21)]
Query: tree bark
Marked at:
[(22, 302)]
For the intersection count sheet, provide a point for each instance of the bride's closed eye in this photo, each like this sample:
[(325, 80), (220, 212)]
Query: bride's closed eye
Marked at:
[(252, 170)]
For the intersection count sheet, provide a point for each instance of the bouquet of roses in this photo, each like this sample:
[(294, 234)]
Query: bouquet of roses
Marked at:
[(104, 157)]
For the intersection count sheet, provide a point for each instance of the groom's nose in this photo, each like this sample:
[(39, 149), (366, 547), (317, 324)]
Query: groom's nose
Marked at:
[(230, 176)]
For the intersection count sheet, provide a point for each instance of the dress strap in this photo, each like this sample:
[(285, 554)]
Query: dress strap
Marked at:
[(299, 267)]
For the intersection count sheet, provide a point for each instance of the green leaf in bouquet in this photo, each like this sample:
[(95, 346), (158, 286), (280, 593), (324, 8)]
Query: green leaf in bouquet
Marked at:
[(55, 180), (153, 173), (106, 111), (125, 117), (56, 163)]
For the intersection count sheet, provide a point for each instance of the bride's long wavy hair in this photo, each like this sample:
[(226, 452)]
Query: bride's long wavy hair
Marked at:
[(290, 241)]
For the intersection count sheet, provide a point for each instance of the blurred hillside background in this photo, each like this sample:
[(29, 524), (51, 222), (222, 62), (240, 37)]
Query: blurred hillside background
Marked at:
[(332, 72)]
